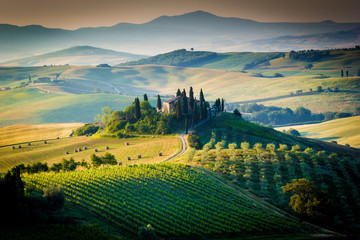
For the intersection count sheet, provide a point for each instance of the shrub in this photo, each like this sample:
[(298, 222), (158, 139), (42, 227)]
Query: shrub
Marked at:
[(237, 112), (86, 129), (278, 75), (147, 233), (194, 141)]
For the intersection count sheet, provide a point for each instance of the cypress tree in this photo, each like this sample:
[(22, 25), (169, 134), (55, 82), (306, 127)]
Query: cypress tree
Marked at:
[(347, 73), (137, 109), (184, 102), (342, 73), (222, 105), (159, 105), (191, 98), (178, 111), (195, 114), (202, 99), (202, 117), (145, 97), (178, 93), (186, 125)]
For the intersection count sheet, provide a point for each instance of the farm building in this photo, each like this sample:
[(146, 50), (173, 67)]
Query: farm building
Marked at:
[(169, 105)]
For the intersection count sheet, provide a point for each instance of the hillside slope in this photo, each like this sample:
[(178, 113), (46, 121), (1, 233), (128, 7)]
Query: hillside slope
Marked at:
[(79, 55), (343, 131), (177, 200), (32, 106)]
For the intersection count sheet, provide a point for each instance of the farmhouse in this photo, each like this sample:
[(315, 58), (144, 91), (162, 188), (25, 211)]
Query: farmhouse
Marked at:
[(5, 88), (169, 105)]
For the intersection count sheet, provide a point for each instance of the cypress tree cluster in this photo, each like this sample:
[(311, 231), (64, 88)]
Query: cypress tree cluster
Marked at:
[(137, 109)]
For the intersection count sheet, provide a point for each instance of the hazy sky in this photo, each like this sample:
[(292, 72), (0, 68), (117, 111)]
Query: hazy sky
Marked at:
[(72, 14)]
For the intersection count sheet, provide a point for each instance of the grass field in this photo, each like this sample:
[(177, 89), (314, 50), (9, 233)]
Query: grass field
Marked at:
[(32, 106), (28, 133), (343, 131), (148, 147), (54, 150)]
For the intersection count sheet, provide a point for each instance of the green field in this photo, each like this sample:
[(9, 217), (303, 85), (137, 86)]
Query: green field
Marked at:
[(32, 106), (83, 90), (178, 201), (343, 131), (52, 152)]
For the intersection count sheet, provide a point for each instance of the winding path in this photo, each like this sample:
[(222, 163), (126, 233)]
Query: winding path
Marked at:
[(184, 147)]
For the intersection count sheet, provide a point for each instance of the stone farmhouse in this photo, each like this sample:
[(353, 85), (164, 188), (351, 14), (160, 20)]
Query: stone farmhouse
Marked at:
[(169, 105)]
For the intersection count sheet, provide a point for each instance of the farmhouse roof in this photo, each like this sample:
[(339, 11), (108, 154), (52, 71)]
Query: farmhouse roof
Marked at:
[(173, 100)]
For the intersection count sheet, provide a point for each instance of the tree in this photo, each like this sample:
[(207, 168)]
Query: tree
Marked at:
[(55, 198), (137, 109), (319, 89), (342, 72), (29, 78), (191, 98), (222, 105), (202, 99), (178, 93), (105, 118), (237, 112), (195, 115), (184, 102), (159, 105), (147, 233), (145, 97), (347, 73), (95, 160), (309, 66), (178, 111), (307, 197), (108, 158), (186, 125), (358, 73)]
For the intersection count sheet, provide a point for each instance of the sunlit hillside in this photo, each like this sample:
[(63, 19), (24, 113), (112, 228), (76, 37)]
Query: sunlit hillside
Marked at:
[(343, 131)]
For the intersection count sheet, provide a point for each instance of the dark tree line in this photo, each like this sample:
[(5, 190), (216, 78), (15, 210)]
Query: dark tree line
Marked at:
[(277, 115), (18, 205), (308, 55)]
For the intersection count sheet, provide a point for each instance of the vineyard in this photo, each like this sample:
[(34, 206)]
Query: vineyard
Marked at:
[(265, 170), (177, 200)]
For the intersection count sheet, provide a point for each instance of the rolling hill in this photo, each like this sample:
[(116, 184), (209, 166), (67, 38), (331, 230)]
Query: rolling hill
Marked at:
[(79, 55), (343, 131), (32, 106), (267, 78), (199, 30)]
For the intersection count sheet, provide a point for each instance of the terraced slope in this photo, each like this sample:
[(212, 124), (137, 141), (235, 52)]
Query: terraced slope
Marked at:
[(178, 201)]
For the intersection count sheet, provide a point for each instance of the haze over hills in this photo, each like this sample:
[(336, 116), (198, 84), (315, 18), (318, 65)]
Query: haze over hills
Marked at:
[(78, 55), (199, 30)]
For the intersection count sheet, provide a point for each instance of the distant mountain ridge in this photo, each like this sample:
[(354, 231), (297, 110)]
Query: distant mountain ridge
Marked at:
[(199, 30), (78, 55)]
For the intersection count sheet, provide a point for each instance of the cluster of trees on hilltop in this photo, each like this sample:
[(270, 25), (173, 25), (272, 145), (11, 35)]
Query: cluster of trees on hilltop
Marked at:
[(308, 55), (179, 57), (142, 118), (278, 116)]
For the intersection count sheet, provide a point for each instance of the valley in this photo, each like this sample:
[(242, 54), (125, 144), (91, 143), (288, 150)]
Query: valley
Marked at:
[(87, 143)]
